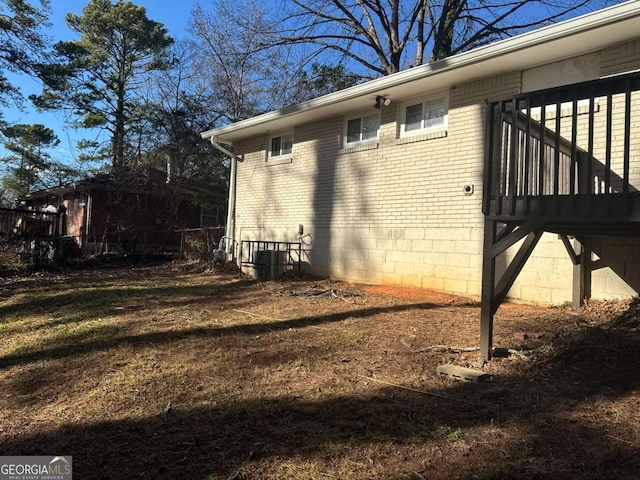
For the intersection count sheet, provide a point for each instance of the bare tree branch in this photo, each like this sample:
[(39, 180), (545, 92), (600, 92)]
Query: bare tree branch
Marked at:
[(384, 37)]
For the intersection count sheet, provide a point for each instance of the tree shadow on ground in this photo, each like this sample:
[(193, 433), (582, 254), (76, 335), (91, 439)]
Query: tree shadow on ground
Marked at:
[(87, 342), (518, 426), (87, 302)]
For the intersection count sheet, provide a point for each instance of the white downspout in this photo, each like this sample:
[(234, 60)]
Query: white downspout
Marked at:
[(231, 205)]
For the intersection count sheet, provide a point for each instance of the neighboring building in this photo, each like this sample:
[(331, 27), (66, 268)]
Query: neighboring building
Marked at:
[(387, 178), (122, 212)]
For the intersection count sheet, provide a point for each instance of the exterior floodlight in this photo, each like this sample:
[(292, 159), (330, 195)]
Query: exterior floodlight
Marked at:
[(380, 100)]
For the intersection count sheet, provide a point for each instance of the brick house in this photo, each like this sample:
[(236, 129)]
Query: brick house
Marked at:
[(125, 211), (388, 181)]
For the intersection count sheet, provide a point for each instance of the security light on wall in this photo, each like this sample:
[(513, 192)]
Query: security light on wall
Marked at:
[(381, 100)]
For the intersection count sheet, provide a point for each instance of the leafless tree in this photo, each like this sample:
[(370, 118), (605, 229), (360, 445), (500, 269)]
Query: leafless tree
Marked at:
[(386, 36), (174, 110), (244, 70)]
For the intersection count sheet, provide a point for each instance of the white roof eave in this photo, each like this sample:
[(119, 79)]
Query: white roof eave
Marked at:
[(574, 37)]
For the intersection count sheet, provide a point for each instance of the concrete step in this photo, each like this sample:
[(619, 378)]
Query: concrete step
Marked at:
[(461, 373)]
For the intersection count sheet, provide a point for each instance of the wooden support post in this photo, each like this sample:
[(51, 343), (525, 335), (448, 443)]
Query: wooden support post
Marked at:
[(493, 293), (582, 268), (488, 286), (577, 294), (587, 267), (575, 255)]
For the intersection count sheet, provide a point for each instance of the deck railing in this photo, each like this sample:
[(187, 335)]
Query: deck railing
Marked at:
[(27, 224), (574, 141)]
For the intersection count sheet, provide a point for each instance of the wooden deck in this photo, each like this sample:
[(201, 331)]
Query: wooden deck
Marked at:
[(564, 160), (585, 214)]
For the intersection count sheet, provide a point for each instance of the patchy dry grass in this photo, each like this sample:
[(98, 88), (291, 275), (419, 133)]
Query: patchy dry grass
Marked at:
[(161, 372)]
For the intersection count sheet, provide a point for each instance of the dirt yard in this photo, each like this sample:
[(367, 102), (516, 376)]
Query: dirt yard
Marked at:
[(172, 372)]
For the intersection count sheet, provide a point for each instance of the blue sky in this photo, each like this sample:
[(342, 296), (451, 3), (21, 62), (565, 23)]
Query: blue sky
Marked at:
[(173, 14)]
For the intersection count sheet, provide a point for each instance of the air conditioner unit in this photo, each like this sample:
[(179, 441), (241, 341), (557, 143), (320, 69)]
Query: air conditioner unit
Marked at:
[(269, 264)]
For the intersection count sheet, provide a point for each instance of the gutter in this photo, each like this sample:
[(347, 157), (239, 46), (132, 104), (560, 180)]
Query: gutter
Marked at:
[(229, 232)]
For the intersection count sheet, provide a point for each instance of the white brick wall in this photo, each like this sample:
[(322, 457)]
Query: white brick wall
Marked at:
[(397, 214)]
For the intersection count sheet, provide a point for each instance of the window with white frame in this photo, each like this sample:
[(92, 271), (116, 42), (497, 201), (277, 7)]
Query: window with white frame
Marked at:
[(281, 146), (362, 129), (424, 115)]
